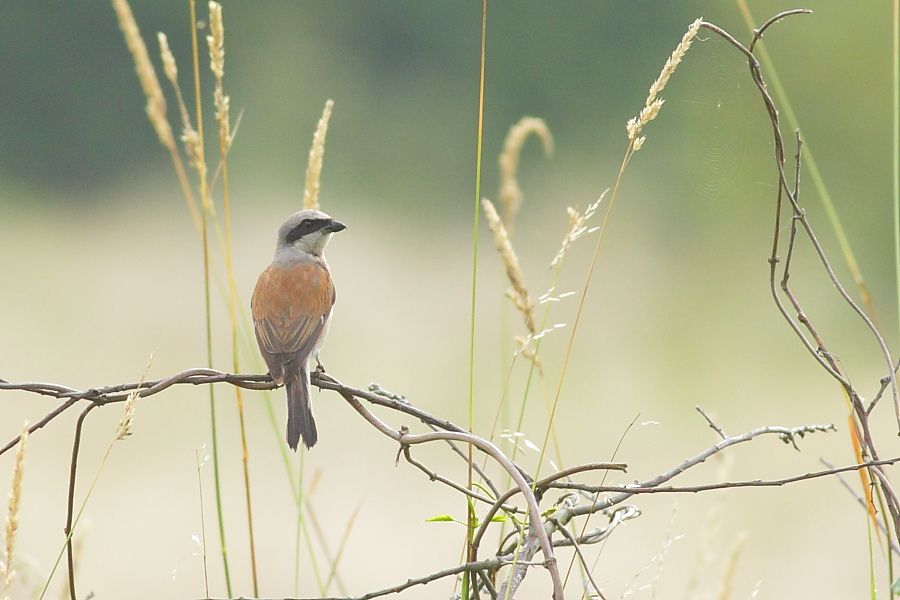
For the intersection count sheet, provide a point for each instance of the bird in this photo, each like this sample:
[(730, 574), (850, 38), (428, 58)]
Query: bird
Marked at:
[(291, 307)]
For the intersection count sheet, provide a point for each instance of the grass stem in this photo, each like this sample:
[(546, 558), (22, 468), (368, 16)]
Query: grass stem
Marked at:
[(206, 203), (479, 136)]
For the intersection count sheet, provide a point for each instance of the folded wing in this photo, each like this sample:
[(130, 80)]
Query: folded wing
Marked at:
[(290, 307)]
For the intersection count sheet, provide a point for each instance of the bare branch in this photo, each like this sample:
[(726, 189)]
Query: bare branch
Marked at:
[(474, 567)]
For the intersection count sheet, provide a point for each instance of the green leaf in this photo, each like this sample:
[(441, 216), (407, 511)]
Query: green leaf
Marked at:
[(498, 519), (441, 519)]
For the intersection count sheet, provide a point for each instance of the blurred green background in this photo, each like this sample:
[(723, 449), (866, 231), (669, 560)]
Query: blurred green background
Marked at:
[(101, 266)]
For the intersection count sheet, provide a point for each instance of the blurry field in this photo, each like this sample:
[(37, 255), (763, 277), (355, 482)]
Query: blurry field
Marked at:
[(97, 276)]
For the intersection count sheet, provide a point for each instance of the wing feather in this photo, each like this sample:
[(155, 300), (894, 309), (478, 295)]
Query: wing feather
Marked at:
[(290, 307)]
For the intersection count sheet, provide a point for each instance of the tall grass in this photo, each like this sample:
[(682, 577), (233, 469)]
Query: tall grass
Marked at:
[(216, 43), (479, 139)]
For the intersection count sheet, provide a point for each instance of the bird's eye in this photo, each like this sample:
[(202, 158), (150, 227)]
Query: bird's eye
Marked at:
[(307, 223)]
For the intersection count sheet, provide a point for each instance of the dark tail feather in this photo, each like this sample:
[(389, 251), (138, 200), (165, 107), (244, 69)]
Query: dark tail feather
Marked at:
[(300, 421)]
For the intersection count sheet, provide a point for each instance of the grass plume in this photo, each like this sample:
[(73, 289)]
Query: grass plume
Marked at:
[(518, 292), (316, 154), (510, 195), (216, 43), (577, 227), (12, 515), (653, 104), (156, 101)]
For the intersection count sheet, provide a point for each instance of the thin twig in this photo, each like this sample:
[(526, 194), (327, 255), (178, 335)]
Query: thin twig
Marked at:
[(70, 504), (535, 521), (711, 423), (481, 565), (587, 569)]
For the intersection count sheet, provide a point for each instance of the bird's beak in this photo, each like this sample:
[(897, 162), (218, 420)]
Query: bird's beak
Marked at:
[(334, 226)]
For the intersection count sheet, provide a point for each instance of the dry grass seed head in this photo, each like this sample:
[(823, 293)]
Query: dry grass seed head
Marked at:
[(316, 154), (519, 292), (156, 102), (216, 42), (170, 68), (510, 195), (12, 513), (577, 227), (126, 423), (653, 104), (194, 149), (168, 60)]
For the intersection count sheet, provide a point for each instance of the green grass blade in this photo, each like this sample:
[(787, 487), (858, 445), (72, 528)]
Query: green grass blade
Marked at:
[(479, 136)]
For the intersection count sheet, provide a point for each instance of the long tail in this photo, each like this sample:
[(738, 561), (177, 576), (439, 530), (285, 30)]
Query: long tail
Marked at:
[(300, 421)]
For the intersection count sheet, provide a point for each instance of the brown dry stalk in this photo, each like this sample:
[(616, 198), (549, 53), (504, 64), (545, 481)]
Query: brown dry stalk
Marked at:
[(653, 103), (510, 194), (316, 154), (519, 292), (12, 513)]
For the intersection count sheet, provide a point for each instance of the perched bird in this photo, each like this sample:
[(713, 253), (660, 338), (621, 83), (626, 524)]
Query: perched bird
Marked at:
[(291, 309)]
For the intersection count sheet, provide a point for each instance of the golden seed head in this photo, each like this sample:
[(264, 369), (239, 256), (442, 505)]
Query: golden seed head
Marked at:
[(673, 61), (316, 155), (126, 423), (223, 104), (12, 513), (653, 104), (216, 40), (168, 60), (156, 102), (518, 293), (510, 194)]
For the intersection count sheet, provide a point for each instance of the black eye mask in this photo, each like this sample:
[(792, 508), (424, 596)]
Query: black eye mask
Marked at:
[(306, 227)]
